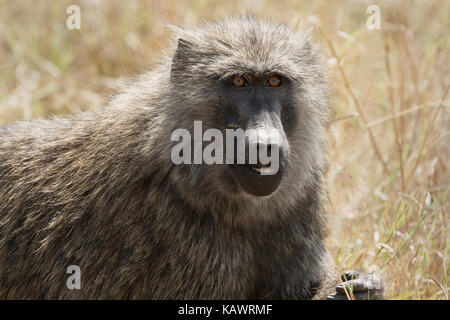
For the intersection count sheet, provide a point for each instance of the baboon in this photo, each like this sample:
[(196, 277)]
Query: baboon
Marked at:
[(98, 189)]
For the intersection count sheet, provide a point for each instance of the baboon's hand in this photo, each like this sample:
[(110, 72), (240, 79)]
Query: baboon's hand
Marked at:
[(360, 286)]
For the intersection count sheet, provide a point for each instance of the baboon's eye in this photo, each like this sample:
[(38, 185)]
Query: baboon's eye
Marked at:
[(274, 81), (239, 81)]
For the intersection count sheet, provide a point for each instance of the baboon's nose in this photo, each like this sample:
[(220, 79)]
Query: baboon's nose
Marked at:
[(263, 157), (263, 151)]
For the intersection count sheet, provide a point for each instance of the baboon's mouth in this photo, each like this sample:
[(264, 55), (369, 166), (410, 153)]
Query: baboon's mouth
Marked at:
[(262, 169), (257, 180)]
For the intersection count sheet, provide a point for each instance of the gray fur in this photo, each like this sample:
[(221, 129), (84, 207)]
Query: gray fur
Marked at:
[(98, 189)]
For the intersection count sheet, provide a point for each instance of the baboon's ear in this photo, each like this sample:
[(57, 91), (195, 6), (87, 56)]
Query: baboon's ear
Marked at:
[(181, 57)]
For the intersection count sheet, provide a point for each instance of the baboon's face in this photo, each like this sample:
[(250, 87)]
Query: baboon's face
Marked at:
[(259, 77), (258, 102)]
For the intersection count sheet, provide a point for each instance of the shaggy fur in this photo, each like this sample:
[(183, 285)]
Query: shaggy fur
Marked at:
[(99, 190)]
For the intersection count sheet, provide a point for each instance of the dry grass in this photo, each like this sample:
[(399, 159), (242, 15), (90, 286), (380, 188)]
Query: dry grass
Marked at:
[(389, 146)]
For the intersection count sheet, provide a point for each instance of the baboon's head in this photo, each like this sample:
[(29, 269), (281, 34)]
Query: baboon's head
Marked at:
[(264, 79)]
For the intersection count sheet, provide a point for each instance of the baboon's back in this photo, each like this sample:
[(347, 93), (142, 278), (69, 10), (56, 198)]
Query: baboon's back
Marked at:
[(67, 187)]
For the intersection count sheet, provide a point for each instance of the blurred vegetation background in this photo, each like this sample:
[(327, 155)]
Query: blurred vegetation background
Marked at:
[(388, 177)]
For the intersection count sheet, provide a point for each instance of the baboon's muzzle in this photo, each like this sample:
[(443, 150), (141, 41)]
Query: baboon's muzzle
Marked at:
[(266, 150)]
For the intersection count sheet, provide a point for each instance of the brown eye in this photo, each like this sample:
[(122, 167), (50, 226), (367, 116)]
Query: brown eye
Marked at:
[(238, 81), (274, 81)]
